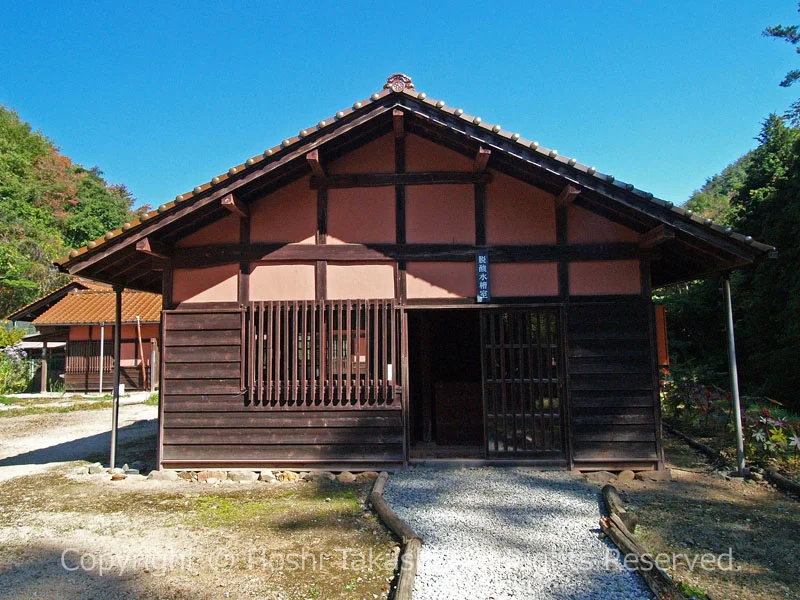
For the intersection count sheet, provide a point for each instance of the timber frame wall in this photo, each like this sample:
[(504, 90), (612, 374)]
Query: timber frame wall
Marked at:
[(214, 409)]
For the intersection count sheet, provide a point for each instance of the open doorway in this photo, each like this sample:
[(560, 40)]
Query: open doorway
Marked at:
[(446, 405)]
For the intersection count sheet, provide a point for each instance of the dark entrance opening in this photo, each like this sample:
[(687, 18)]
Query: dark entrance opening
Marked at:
[(445, 386)]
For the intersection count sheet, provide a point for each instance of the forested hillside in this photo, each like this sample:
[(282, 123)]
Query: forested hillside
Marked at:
[(48, 205), (758, 195)]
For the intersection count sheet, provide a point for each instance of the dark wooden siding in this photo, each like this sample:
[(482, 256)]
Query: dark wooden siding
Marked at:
[(89, 381), (210, 419), (613, 400)]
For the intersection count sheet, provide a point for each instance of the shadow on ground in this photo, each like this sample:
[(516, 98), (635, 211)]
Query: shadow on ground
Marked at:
[(140, 433)]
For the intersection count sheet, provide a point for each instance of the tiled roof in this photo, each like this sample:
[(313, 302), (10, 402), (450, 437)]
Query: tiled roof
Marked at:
[(97, 306), (40, 304), (401, 85)]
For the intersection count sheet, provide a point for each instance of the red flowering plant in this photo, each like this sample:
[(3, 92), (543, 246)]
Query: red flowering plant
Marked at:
[(695, 406)]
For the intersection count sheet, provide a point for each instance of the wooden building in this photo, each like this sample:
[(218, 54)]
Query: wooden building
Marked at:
[(404, 281), (80, 314)]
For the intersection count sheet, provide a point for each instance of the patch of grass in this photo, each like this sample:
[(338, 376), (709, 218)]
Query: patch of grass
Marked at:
[(692, 591), (152, 399), (214, 510), (42, 410), (7, 400)]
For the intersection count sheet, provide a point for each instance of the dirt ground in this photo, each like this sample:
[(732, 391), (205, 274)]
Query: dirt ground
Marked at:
[(701, 512), (65, 535), (82, 536)]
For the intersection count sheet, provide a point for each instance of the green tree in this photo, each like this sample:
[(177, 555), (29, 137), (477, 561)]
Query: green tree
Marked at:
[(48, 204), (764, 203), (790, 34)]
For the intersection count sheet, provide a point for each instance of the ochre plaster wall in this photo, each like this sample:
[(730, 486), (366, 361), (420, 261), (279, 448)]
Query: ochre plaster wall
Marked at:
[(523, 279), (212, 284), (282, 281), (602, 278), (368, 281), (440, 280)]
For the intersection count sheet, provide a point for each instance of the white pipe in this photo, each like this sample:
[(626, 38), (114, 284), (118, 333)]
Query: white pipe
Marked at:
[(737, 408), (102, 348)]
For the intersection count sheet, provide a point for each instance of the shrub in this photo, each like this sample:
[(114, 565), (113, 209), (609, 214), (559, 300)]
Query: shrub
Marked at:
[(15, 370)]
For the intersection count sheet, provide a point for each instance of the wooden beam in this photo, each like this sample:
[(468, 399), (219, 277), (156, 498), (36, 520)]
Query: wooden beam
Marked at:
[(656, 237), (236, 206), (480, 214), (206, 256), (481, 160), (567, 195), (153, 248), (316, 166), (355, 180), (398, 124)]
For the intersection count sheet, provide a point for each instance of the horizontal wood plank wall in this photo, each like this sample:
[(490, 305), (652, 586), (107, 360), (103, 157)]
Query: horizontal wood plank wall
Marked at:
[(88, 381), (211, 421), (611, 384)]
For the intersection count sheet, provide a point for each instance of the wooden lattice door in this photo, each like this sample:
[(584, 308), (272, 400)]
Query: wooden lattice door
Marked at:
[(522, 364)]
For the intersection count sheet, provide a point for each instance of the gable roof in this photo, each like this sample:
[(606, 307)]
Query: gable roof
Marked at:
[(700, 246), (95, 306), (33, 309)]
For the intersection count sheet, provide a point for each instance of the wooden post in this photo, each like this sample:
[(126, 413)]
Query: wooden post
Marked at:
[(142, 368), (737, 409), (117, 348), (427, 400), (44, 366)]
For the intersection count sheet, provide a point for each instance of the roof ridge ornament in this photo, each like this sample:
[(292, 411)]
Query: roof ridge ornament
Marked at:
[(398, 82)]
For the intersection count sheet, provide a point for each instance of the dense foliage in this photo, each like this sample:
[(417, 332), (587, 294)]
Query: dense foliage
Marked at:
[(758, 195), (48, 204)]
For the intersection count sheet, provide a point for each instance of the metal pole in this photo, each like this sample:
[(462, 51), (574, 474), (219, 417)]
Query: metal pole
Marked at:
[(102, 353), (737, 409), (117, 347)]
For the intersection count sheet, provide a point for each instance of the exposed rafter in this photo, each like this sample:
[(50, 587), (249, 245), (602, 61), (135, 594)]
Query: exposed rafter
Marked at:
[(153, 248), (567, 195), (481, 160), (656, 237), (236, 206), (315, 164), (398, 124)]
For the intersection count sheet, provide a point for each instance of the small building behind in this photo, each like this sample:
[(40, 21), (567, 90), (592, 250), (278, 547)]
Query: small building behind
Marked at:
[(71, 322)]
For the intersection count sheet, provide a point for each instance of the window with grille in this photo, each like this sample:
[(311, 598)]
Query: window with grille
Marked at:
[(334, 353)]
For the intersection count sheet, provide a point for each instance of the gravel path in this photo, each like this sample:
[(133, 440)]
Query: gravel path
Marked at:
[(509, 533), (35, 443)]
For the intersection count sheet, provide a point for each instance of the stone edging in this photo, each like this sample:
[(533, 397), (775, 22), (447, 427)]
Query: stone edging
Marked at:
[(615, 526), (775, 478), (784, 483), (710, 452), (411, 542)]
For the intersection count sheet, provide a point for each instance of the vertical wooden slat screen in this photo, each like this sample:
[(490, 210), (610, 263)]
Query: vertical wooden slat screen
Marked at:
[(522, 354), (317, 354)]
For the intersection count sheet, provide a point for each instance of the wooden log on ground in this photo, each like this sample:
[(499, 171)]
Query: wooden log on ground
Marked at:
[(613, 504), (408, 570), (713, 454), (783, 483), (409, 556), (658, 580)]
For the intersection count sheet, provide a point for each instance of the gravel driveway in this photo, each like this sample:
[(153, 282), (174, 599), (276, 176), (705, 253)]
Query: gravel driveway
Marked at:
[(509, 533), (35, 443)]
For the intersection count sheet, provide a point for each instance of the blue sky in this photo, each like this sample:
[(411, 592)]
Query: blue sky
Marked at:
[(163, 96)]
